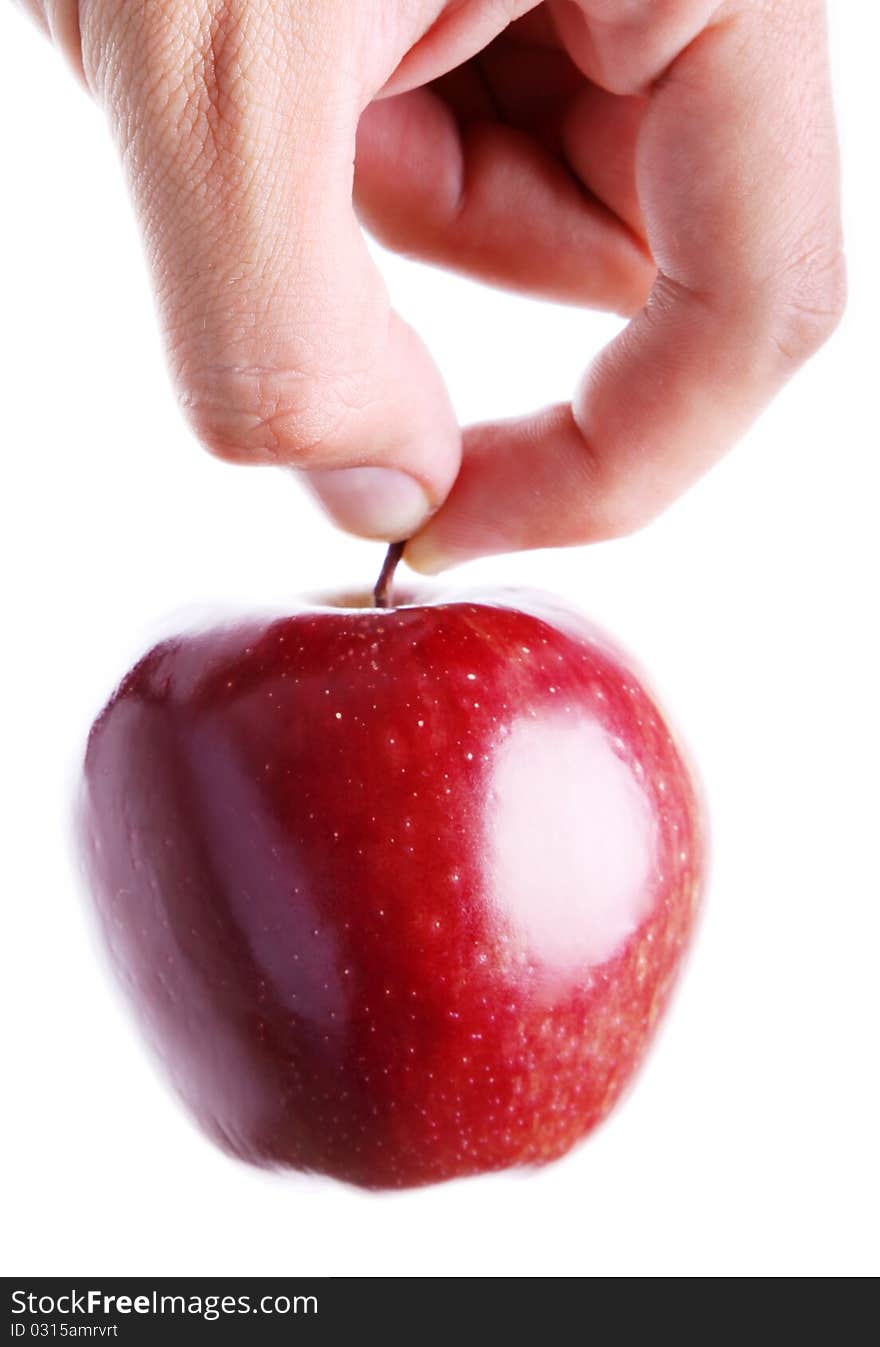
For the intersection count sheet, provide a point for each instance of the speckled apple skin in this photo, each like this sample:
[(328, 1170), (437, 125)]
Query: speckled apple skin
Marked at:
[(292, 831)]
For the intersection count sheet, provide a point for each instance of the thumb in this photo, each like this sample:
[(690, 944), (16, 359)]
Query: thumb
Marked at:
[(236, 124)]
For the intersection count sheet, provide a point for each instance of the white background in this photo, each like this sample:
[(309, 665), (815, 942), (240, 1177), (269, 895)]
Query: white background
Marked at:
[(750, 1143)]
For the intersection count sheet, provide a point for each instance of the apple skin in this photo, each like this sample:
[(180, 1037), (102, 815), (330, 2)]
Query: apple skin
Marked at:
[(399, 895)]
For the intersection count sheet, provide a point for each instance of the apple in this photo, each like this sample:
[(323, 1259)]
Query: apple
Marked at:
[(398, 893)]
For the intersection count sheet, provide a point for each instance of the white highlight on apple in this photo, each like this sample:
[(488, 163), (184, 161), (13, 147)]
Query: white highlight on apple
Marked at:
[(572, 841)]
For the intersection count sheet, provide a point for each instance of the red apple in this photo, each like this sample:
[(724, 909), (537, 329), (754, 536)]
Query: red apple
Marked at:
[(399, 894)]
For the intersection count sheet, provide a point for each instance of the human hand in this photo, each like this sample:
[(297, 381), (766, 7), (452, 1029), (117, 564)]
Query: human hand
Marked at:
[(673, 160)]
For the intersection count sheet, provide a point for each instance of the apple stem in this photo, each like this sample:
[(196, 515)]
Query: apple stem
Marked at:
[(382, 591)]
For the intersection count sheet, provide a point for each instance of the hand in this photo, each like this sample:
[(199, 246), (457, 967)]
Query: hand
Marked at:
[(673, 160)]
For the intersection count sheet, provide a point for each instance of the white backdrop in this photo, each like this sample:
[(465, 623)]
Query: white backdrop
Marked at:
[(749, 1145)]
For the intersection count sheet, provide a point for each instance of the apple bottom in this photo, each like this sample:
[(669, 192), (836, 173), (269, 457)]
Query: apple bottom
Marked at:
[(391, 905)]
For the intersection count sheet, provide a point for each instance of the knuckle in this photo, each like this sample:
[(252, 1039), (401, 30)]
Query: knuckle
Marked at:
[(619, 515), (810, 301), (255, 413), (618, 497), (619, 507)]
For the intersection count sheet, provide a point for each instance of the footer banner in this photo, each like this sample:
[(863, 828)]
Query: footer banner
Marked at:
[(272, 1309)]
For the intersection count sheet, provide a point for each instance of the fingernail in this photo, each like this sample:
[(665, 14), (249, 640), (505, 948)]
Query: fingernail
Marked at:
[(374, 502), (424, 557)]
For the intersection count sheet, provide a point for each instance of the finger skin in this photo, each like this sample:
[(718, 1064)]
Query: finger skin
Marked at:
[(488, 202), (624, 46), (59, 20), (737, 175), (235, 121)]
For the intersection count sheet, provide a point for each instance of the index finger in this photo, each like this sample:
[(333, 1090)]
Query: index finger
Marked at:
[(737, 174)]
